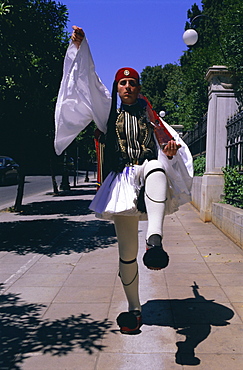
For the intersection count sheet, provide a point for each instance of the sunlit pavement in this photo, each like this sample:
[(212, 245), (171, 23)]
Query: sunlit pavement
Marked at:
[(61, 292)]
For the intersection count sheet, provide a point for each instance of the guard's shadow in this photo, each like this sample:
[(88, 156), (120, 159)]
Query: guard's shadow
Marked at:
[(191, 317)]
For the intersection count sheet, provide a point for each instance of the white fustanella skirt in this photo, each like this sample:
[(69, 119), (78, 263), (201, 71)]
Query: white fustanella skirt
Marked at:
[(118, 194)]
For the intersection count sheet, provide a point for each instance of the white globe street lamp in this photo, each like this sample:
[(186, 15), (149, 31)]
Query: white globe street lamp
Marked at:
[(190, 37), (162, 113)]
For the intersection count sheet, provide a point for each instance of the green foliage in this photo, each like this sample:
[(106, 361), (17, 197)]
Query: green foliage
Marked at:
[(220, 42), (232, 35), (164, 87), (154, 83), (86, 145), (33, 42), (176, 100), (233, 187), (199, 165), (182, 90), (4, 9), (199, 57)]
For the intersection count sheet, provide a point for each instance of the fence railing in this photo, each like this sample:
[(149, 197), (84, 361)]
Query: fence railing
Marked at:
[(234, 147), (196, 138)]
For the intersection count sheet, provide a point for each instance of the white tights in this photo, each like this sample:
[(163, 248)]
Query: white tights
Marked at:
[(127, 231)]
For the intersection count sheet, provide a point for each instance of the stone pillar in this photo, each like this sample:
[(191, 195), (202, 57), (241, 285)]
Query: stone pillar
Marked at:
[(221, 105)]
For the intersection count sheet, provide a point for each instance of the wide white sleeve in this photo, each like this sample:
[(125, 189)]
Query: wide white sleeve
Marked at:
[(82, 97), (179, 171)]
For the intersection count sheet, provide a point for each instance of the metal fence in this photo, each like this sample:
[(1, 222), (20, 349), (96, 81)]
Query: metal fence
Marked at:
[(234, 147), (196, 138)]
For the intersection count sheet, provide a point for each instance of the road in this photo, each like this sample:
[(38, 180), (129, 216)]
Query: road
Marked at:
[(33, 185)]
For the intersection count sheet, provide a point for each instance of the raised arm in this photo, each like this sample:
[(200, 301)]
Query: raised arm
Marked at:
[(77, 36)]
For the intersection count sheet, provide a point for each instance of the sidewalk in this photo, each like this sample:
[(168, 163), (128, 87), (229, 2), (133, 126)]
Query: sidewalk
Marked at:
[(61, 292)]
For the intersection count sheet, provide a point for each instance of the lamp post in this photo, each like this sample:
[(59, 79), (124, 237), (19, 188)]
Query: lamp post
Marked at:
[(190, 36)]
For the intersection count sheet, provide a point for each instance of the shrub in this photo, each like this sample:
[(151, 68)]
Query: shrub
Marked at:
[(233, 186), (199, 164)]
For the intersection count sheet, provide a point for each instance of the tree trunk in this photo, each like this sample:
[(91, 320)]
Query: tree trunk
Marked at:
[(54, 184), (75, 179), (86, 176), (20, 192), (65, 176), (53, 178)]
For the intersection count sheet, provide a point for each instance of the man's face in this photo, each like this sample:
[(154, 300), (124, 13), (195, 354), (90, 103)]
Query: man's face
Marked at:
[(128, 90)]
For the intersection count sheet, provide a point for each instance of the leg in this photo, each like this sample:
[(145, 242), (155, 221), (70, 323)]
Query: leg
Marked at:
[(127, 234), (155, 198)]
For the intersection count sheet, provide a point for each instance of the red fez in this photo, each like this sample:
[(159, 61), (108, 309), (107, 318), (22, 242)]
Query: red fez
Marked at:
[(126, 72)]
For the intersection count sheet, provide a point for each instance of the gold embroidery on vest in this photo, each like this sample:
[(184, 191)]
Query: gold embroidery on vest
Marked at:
[(121, 135)]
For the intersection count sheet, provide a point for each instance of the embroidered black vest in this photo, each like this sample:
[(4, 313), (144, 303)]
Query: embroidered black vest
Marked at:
[(129, 139), (134, 135)]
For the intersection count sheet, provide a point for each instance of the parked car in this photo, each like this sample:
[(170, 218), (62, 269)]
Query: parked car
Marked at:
[(9, 171)]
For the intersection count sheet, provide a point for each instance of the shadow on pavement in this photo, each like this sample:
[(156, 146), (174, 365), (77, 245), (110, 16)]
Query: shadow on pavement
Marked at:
[(85, 190), (55, 236), (61, 207), (191, 317), (59, 235), (23, 332)]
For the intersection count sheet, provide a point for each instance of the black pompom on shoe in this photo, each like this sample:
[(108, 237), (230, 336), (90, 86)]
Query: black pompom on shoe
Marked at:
[(130, 322), (155, 258)]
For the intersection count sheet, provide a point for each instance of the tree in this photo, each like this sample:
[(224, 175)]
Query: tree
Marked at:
[(195, 63), (175, 100), (232, 20), (33, 42), (182, 89), (85, 144), (165, 88), (154, 83), (220, 43), (4, 9)]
